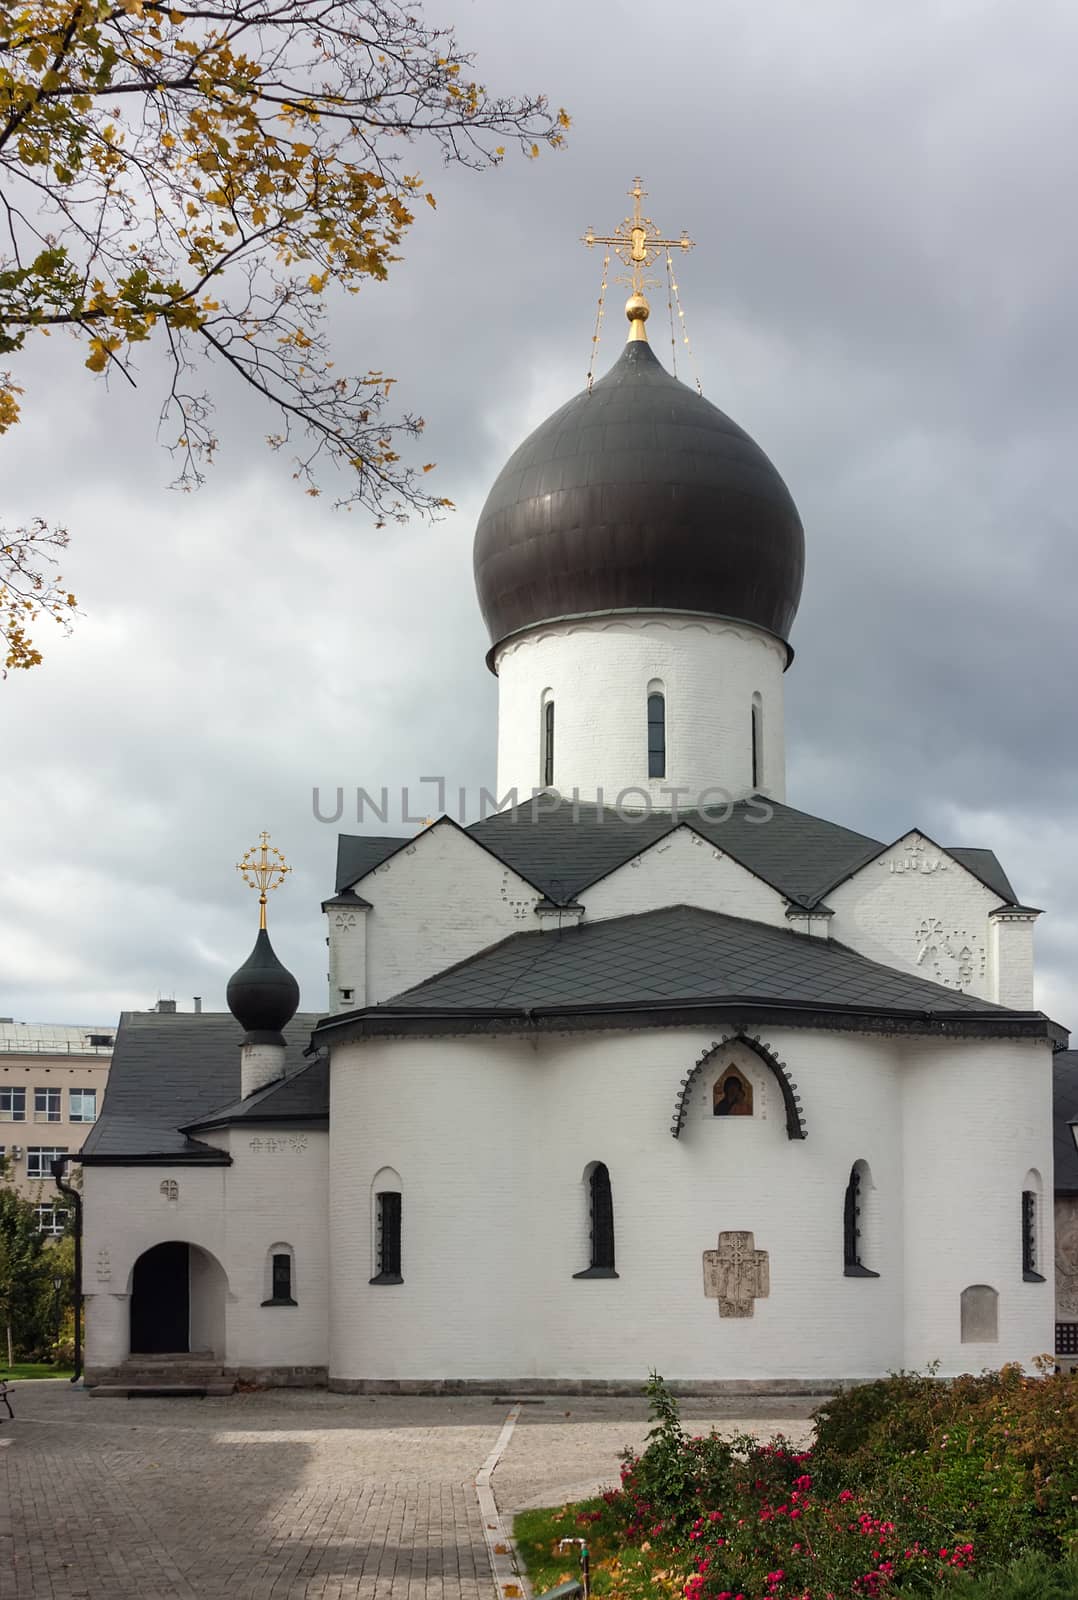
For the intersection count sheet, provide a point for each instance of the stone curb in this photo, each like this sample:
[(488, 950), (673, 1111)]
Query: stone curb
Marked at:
[(509, 1581)]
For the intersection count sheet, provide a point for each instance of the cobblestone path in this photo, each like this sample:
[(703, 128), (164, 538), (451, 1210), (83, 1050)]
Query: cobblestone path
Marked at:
[(291, 1494)]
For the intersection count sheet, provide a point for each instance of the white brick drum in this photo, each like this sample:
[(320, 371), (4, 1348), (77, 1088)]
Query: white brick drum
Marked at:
[(598, 672)]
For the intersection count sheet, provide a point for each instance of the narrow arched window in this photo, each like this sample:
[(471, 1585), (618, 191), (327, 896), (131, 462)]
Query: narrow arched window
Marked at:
[(656, 734), (548, 741), (1029, 1234), (852, 1226), (280, 1283), (386, 1227), (388, 1238), (757, 741), (600, 1224)]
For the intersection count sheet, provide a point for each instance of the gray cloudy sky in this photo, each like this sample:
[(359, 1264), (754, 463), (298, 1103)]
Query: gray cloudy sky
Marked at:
[(883, 293)]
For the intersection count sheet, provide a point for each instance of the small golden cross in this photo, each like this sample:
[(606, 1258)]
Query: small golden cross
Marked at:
[(260, 873), (637, 242)]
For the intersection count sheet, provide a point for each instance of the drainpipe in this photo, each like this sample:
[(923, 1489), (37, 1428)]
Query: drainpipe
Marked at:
[(76, 1200)]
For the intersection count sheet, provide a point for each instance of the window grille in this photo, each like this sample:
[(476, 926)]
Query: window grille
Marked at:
[(852, 1264), (548, 744), (388, 1237), (1029, 1237), (656, 736), (600, 1225), (1067, 1338)]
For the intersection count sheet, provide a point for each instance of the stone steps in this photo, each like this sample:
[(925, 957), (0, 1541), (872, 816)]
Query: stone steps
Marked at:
[(167, 1374), (162, 1389)]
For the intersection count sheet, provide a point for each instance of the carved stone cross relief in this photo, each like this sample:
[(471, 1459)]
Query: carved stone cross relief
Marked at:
[(736, 1274)]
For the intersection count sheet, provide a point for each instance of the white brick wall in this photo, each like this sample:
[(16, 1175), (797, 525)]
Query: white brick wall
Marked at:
[(268, 1196), (599, 671), (975, 1118), (439, 900), (915, 908), (493, 1220), (684, 869), (346, 940)]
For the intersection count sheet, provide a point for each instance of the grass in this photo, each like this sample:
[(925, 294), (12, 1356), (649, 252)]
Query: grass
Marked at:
[(620, 1571), (33, 1369)]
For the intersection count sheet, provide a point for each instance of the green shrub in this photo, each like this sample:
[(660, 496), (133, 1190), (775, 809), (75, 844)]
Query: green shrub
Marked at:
[(1032, 1577), (915, 1484)]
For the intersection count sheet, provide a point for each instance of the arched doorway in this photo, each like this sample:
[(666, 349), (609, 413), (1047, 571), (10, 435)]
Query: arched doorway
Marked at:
[(178, 1294)]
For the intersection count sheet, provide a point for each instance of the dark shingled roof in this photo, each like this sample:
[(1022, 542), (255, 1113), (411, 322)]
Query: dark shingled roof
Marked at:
[(358, 854), (984, 865), (561, 849), (678, 956), (170, 1071), (301, 1097), (1064, 1109)]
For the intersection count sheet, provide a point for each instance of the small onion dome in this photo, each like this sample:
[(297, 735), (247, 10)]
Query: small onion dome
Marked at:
[(262, 995), (638, 496)]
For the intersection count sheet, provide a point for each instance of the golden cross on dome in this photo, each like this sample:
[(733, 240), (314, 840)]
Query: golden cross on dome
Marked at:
[(637, 243), (262, 873)]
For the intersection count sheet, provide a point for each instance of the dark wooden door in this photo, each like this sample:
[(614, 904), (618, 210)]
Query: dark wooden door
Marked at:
[(161, 1300)]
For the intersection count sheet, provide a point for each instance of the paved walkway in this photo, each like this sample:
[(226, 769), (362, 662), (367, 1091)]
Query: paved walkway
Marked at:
[(284, 1495)]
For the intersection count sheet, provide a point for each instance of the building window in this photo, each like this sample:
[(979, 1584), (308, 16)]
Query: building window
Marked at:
[(280, 1276), (852, 1212), (1067, 1338), (101, 1041), (548, 741), (387, 1237), (600, 1224), (47, 1106), (1029, 1238), (39, 1160), (757, 741), (12, 1105), (51, 1220), (82, 1105), (656, 735)]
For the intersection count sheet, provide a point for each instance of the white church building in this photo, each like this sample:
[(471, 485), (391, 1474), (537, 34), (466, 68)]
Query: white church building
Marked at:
[(651, 1070)]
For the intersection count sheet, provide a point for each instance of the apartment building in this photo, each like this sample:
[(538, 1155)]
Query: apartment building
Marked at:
[(52, 1084)]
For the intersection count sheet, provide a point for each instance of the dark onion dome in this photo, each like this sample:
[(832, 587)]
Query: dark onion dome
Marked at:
[(639, 496), (262, 995)]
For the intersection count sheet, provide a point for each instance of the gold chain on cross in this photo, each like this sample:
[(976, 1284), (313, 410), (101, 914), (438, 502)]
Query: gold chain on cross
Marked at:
[(263, 868)]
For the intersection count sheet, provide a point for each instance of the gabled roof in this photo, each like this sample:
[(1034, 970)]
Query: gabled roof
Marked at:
[(170, 1071), (303, 1096), (1064, 1110), (677, 959), (561, 848)]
